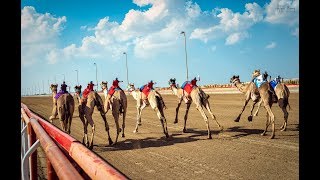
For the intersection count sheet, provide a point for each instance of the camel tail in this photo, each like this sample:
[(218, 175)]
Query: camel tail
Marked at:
[(66, 113)]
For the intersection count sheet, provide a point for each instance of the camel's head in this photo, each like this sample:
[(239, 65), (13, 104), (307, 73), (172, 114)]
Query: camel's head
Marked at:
[(104, 85), (77, 89), (172, 82), (234, 79), (131, 87), (54, 87)]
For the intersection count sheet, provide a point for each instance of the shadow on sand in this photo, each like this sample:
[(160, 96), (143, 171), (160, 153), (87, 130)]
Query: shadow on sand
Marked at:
[(130, 144)]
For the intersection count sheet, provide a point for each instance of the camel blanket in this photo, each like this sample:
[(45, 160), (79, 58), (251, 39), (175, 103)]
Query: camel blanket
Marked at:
[(112, 90), (86, 92), (274, 83), (187, 86), (146, 91), (59, 94)]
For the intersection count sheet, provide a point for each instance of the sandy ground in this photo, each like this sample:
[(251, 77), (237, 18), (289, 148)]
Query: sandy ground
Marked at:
[(237, 152)]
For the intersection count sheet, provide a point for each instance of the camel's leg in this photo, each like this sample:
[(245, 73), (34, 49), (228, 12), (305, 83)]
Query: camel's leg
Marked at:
[(123, 121), (271, 116), (267, 125), (69, 122), (115, 114), (106, 125), (252, 107), (163, 121), (212, 115), (139, 112), (203, 114), (244, 106), (90, 121), (259, 105), (283, 105), (177, 111), (85, 126), (54, 112), (186, 117)]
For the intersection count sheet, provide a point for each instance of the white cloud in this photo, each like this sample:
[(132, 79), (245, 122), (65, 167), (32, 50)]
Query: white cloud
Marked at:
[(271, 45), (39, 33), (235, 37), (231, 25), (283, 12), (153, 30)]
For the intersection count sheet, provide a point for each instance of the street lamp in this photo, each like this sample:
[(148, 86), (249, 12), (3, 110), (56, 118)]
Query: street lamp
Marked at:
[(126, 66), (96, 76), (185, 48), (77, 77)]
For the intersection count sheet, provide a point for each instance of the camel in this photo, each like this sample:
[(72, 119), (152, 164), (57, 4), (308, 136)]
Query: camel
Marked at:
[(118, 105), (155, 101), (63, 107), (265, 95), (86, 108), (199, 98), (282, 94), (251, 93)]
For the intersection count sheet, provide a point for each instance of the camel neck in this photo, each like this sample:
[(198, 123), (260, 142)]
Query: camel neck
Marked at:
[(105, 92), (134, 94), (174, 89), (54, 93), (240, 87)]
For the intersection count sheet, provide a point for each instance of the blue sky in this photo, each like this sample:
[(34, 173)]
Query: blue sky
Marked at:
[(223, 38)]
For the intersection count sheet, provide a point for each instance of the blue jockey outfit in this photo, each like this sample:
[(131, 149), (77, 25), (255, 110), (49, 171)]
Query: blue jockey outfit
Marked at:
[(275, 82), (258, 81)]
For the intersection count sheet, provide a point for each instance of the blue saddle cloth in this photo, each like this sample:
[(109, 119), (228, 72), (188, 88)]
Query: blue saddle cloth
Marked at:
[(184, 84), (274, 83), (141, 88)]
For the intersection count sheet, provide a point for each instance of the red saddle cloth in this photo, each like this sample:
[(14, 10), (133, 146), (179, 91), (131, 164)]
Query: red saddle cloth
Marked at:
[(146, 90), (86, 92), (188, 88)]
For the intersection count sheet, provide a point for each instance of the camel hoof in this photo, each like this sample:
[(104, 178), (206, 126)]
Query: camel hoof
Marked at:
[(262, 134), (184, 130), (283, 129), (271, 137), (237, 120), (210, 137), (175, 121), (135, 131), (221, 128), (110, 141), (249, 118), (90, 147), (167, 135), (123, 135)]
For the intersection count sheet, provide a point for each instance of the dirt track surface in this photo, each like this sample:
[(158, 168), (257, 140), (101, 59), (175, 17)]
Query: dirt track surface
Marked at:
[(237, 152)]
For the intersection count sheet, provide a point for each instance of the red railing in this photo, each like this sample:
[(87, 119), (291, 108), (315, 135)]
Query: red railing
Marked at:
[(52, 138)]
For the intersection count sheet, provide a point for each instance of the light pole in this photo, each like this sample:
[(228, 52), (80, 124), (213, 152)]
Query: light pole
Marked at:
[(126, 66), (185, 48), (77, 77), (96, 76)]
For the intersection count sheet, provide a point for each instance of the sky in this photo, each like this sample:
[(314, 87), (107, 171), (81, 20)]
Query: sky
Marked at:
[(81, 41)]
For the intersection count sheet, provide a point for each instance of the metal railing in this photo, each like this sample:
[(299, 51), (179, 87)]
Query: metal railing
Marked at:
[(59, 148)]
